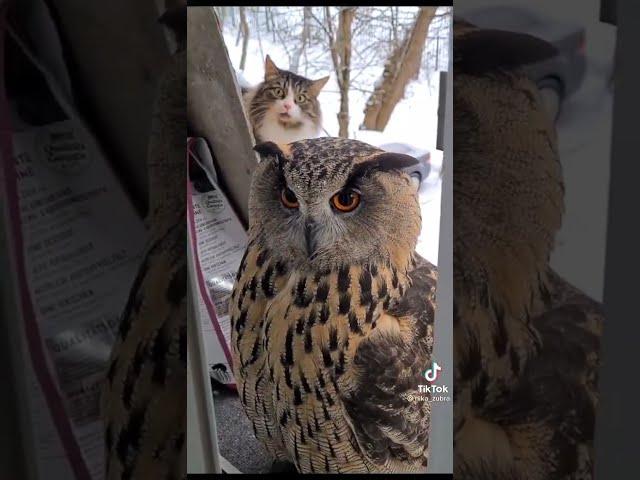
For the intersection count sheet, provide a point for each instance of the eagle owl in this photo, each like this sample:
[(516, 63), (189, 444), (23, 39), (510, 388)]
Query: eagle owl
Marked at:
[(332, 310), (526, 343), (144, 396)]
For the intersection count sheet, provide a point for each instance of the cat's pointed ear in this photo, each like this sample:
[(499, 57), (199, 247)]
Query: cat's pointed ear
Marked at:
[(480, 51), (317, 85), (270, 149), (270, 69)]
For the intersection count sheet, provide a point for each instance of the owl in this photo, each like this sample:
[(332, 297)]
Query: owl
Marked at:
[(332, 310), (526, 342), (144, 393)]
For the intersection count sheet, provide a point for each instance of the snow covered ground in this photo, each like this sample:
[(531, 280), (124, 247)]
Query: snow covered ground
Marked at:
[(413, 122)]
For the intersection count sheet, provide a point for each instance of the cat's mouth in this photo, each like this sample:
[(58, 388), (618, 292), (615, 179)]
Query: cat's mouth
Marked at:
[(285, 120)]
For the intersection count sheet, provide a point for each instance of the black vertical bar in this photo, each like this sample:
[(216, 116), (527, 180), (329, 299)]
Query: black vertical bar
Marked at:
[(617, 421)]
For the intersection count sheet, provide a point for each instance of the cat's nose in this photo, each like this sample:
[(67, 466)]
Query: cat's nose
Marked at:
[(287, 106)]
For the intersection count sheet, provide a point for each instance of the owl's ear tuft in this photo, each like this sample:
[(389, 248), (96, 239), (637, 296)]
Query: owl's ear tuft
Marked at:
[(384, 162), (480, 51), (389, 161), (280, 151)]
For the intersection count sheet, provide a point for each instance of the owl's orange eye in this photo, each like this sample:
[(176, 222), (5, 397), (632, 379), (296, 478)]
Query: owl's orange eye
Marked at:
[(288, 198), (346, 200)]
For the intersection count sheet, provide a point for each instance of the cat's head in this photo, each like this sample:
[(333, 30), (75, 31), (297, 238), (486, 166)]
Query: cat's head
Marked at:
[(287, 98)]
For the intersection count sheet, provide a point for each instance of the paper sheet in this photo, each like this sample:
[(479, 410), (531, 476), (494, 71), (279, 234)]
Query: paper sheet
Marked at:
[(220, 241), (77, 242)]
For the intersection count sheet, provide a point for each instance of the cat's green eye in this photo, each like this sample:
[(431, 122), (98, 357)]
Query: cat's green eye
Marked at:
[(301, 98), (278, 92)]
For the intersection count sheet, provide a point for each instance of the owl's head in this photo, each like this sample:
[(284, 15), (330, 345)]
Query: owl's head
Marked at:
[(324, 202), (507, 182)]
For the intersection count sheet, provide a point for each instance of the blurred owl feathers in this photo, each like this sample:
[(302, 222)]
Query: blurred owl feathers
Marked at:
[(144, 394), (526, 342)]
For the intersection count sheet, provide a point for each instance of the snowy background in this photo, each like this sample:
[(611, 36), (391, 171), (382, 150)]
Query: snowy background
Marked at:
[(414, 119)]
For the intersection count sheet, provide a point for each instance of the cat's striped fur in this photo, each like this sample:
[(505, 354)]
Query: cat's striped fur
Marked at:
[(265, 104)]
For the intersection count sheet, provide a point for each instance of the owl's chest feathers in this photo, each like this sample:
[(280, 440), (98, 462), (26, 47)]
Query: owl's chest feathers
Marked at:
[(295, 335), (316, 318)]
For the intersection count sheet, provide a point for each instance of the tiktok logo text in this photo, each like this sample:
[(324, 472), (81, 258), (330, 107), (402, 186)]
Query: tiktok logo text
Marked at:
[(432, 373)]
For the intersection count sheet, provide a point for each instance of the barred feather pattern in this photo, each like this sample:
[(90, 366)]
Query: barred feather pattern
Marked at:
[(326, 362), (144, 393)]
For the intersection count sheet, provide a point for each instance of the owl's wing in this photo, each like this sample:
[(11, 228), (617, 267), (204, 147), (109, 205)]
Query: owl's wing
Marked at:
[(390, 423), (144, 400), (551, 409), (144, 404)]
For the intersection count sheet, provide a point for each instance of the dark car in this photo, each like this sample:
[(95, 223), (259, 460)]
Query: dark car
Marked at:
[(558, 77)]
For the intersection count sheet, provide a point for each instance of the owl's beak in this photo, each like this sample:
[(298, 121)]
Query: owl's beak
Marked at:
[(310, 236)]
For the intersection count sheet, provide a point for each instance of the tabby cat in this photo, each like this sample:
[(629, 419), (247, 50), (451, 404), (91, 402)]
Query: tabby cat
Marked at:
[(284, 108)]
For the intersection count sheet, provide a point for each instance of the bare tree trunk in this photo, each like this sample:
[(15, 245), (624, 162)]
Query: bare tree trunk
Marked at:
[(402, 66), (340, 46), (273, 24), (258, 32), (239, 33), (394, 26), (304, 38), (244, 27), (344, 51)]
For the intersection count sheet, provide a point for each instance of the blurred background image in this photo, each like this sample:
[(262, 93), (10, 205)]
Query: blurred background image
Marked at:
[(556, 393), (79, 81), (577, 88)]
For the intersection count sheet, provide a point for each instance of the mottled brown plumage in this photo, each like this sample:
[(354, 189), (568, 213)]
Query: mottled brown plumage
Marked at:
[(144, 397), (526, 343), (332, 314)]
